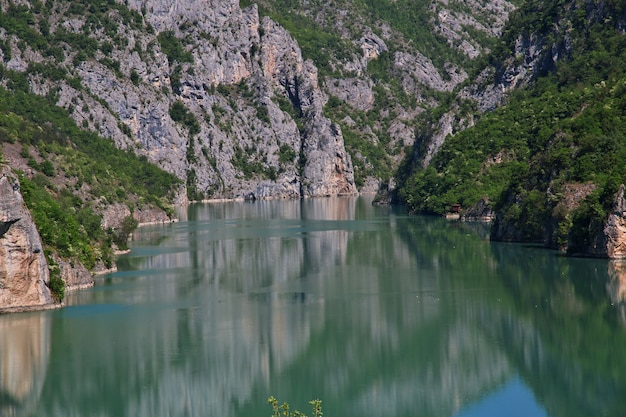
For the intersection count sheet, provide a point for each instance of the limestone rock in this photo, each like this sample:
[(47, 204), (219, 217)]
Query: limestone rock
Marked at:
[(75, 275), (615, 228), (371, 45), (24, 272), (356, 92), (482, 211), (488, 17), (241, 69)]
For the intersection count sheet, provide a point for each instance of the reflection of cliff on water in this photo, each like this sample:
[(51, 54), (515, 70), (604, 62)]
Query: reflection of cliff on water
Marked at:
[(616, 287), (24, 352), (239, 309), (218, 278), (376, 313), (409, 338)]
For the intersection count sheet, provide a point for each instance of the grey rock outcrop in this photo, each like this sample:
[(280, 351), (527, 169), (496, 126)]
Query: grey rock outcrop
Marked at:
[(256, 103), (74, 274), (235, 73), (258, 128), (24, 272)]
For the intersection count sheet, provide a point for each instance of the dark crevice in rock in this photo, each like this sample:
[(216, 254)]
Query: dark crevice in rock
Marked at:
[(5, 226)]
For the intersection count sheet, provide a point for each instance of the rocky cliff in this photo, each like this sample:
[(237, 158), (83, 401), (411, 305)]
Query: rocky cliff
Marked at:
[(610, 239), (220, 95), (208, 91), (24, 276)]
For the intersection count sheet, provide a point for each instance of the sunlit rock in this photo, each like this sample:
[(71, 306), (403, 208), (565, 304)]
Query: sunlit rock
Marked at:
[(24, 273)]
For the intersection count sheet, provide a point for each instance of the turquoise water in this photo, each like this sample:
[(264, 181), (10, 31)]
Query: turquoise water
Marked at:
[(374, 312)]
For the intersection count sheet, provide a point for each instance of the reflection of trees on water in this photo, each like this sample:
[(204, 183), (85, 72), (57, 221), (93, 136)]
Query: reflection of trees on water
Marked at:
[(422, 317), (564, 339)]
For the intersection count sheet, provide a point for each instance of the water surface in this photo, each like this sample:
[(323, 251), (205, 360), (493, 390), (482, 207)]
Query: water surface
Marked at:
[(375, 312)]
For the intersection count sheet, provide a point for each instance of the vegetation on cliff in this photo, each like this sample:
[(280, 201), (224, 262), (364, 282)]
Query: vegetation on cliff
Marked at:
[(533, 157), (67, 175), (379, 133)]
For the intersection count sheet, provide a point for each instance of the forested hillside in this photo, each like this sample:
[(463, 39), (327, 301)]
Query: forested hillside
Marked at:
[(548, 163)]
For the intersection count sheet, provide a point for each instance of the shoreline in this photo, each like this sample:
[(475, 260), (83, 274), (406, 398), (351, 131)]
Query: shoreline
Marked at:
[(28, 309)]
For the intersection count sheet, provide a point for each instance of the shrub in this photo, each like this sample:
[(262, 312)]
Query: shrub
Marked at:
[(121, 235), (286, 154), (56, 284), (173, 48), (134, 77), (180, 113)]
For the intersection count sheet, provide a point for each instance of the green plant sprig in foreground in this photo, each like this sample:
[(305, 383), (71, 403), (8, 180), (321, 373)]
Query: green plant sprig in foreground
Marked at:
[(284, 409)]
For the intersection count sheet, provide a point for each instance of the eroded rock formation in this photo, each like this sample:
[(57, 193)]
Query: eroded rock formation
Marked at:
[(614, 233), (24, 272)]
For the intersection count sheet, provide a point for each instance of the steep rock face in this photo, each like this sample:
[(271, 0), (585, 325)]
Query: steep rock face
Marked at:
[(327, 167), (252, 121), (249, 129), (223, 70), (74, 274), (23, 268), (611, 242), (532, 54)]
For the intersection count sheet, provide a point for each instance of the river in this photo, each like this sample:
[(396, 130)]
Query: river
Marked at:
[(374, 312)]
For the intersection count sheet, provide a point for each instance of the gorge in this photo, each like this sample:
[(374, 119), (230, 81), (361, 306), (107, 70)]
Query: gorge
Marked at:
[(113, 112)]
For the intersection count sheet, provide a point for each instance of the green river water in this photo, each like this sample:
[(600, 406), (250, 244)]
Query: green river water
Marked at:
[(375, 312)]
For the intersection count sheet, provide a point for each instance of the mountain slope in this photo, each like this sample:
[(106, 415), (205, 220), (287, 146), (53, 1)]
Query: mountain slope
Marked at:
[(208, 91), (549, 161), (383, 63), (222, 97)]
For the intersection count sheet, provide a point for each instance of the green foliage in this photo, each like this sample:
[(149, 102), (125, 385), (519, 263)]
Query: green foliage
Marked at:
[(568, 128), (20, 21), (263, 114), (67, 224), (58, 224), (371, 156), (93, 159), (251, 163), (286, 154), (56, 285), (31, 26), (113, 65), (121, 235), (412, 19), (193, 194), (173, 48), (47, 168), (180, 113), (134, 77), (78, 41), (284, 410)]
